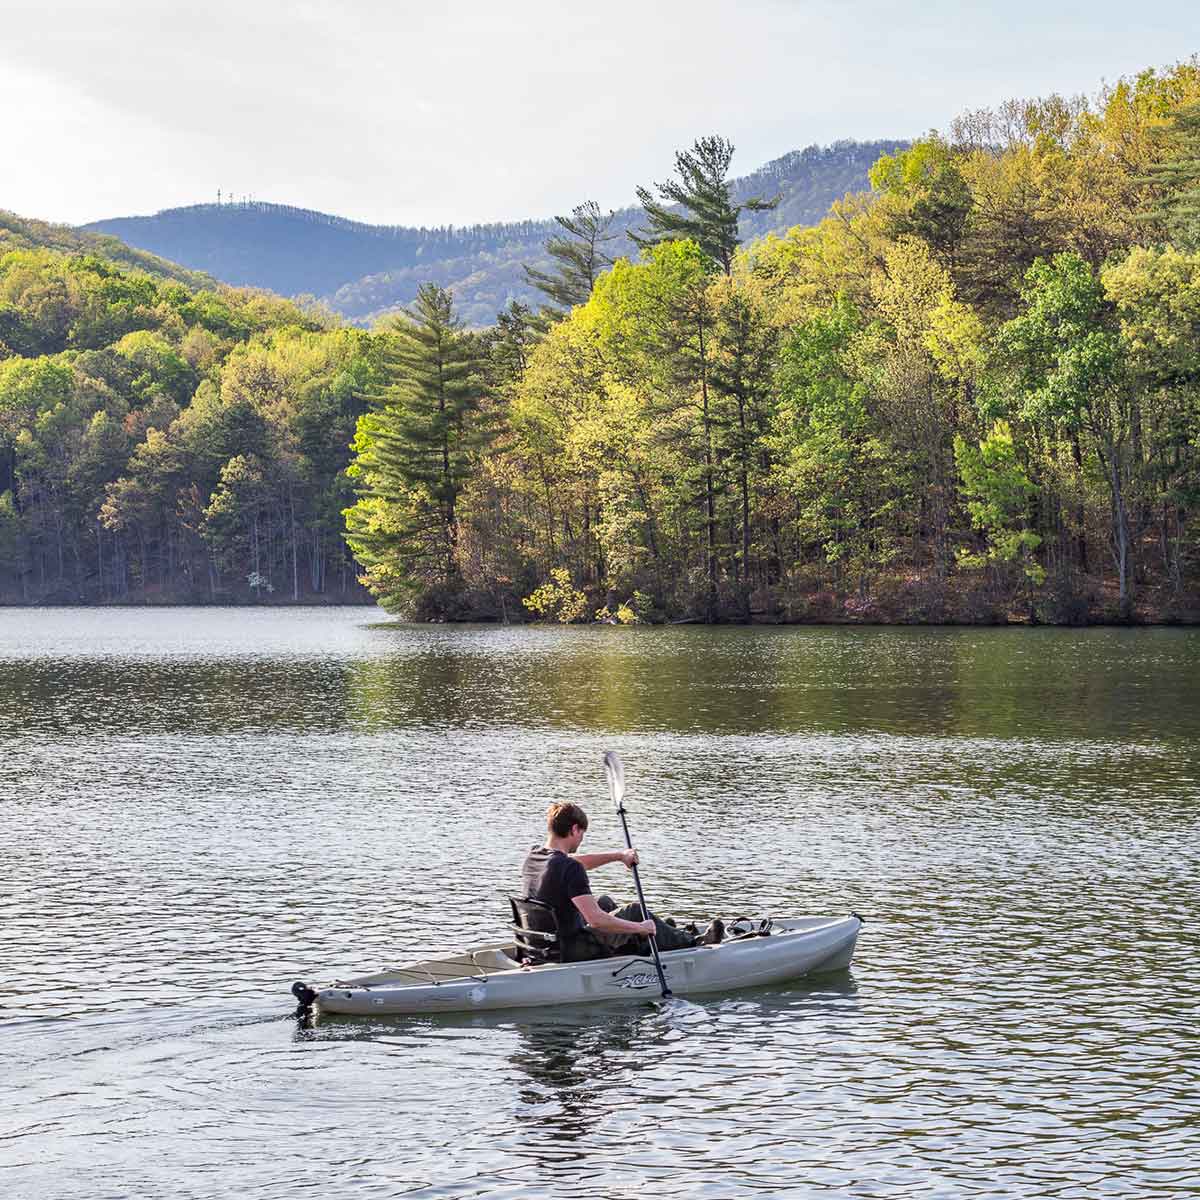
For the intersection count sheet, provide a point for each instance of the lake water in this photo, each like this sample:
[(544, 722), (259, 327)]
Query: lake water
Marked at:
[(200, 806)]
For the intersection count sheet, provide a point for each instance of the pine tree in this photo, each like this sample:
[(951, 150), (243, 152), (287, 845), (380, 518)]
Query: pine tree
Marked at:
[(581, 258), (709, 217), (1177, 178), (669, 324), (417, 450), (742, 371), (508, 344)]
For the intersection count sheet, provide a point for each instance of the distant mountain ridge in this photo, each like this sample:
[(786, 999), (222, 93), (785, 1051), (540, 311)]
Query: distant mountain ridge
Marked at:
[(363, 271)]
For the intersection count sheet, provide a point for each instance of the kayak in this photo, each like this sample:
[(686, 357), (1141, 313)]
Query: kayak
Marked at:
[(491, 977)]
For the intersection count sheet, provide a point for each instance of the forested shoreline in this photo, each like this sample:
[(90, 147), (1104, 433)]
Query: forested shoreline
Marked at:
[(167, 443), (970, 395)]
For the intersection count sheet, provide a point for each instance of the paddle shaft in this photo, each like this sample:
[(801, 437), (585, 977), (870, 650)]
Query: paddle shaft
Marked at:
[(637, 883)]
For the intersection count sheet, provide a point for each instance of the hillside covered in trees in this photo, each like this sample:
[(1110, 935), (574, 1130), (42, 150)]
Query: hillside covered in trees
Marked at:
[(972, 394), (21, 233), (162, 440), (364, 271)]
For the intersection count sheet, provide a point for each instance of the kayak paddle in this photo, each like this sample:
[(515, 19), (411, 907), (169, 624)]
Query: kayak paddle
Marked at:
[(615, 772)]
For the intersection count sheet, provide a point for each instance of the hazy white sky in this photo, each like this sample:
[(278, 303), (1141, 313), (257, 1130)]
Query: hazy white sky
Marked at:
[(391, 111)]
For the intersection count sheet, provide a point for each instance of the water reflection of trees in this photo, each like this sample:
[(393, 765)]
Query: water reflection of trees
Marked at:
[(907, 682), (726, 680), (993, 683)]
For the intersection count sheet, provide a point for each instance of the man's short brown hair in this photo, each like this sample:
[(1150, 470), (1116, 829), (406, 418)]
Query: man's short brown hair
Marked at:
[(562, 818)]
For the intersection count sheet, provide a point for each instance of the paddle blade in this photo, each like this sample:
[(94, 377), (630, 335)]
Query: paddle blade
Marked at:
[(614, 770)]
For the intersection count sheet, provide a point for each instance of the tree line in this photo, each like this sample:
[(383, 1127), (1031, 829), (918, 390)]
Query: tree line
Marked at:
[(968, 394), (167, 443)]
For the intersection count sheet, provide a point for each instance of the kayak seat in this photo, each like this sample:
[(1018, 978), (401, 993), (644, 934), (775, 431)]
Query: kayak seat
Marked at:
[(535, 930)]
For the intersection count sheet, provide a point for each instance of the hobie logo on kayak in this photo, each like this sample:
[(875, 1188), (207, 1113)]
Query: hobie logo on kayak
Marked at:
[(636, 980)]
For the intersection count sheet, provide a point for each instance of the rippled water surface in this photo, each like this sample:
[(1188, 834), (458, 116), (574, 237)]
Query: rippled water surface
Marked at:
[(200, 806)]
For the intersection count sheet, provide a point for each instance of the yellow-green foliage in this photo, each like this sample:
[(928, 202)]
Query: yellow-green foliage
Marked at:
[(623, 616), (998, 491), (161, 437), (557, 599)]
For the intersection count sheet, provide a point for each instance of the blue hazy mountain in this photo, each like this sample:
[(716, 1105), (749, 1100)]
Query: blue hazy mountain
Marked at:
[(364, 270)]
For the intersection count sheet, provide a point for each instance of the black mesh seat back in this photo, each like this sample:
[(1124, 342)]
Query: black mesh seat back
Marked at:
[(535, 928)]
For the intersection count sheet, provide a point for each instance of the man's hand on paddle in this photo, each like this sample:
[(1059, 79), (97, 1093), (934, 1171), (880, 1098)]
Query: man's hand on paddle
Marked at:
[(630, 858)]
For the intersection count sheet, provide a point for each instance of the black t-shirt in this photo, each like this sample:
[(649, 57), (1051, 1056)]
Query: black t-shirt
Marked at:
[(556, 879)]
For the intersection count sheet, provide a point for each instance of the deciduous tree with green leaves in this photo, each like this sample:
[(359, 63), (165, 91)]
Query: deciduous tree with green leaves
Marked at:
[(999, 493), (1060, 362)]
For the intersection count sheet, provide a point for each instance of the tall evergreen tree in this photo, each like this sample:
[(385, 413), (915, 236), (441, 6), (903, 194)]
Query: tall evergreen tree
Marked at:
[(709, 217), (1177, 179), (507, 345), (663, 327), (746, 346), (417, 450), (580, 258)]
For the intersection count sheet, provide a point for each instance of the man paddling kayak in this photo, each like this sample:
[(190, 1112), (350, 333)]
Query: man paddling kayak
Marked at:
[(592, 927)]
